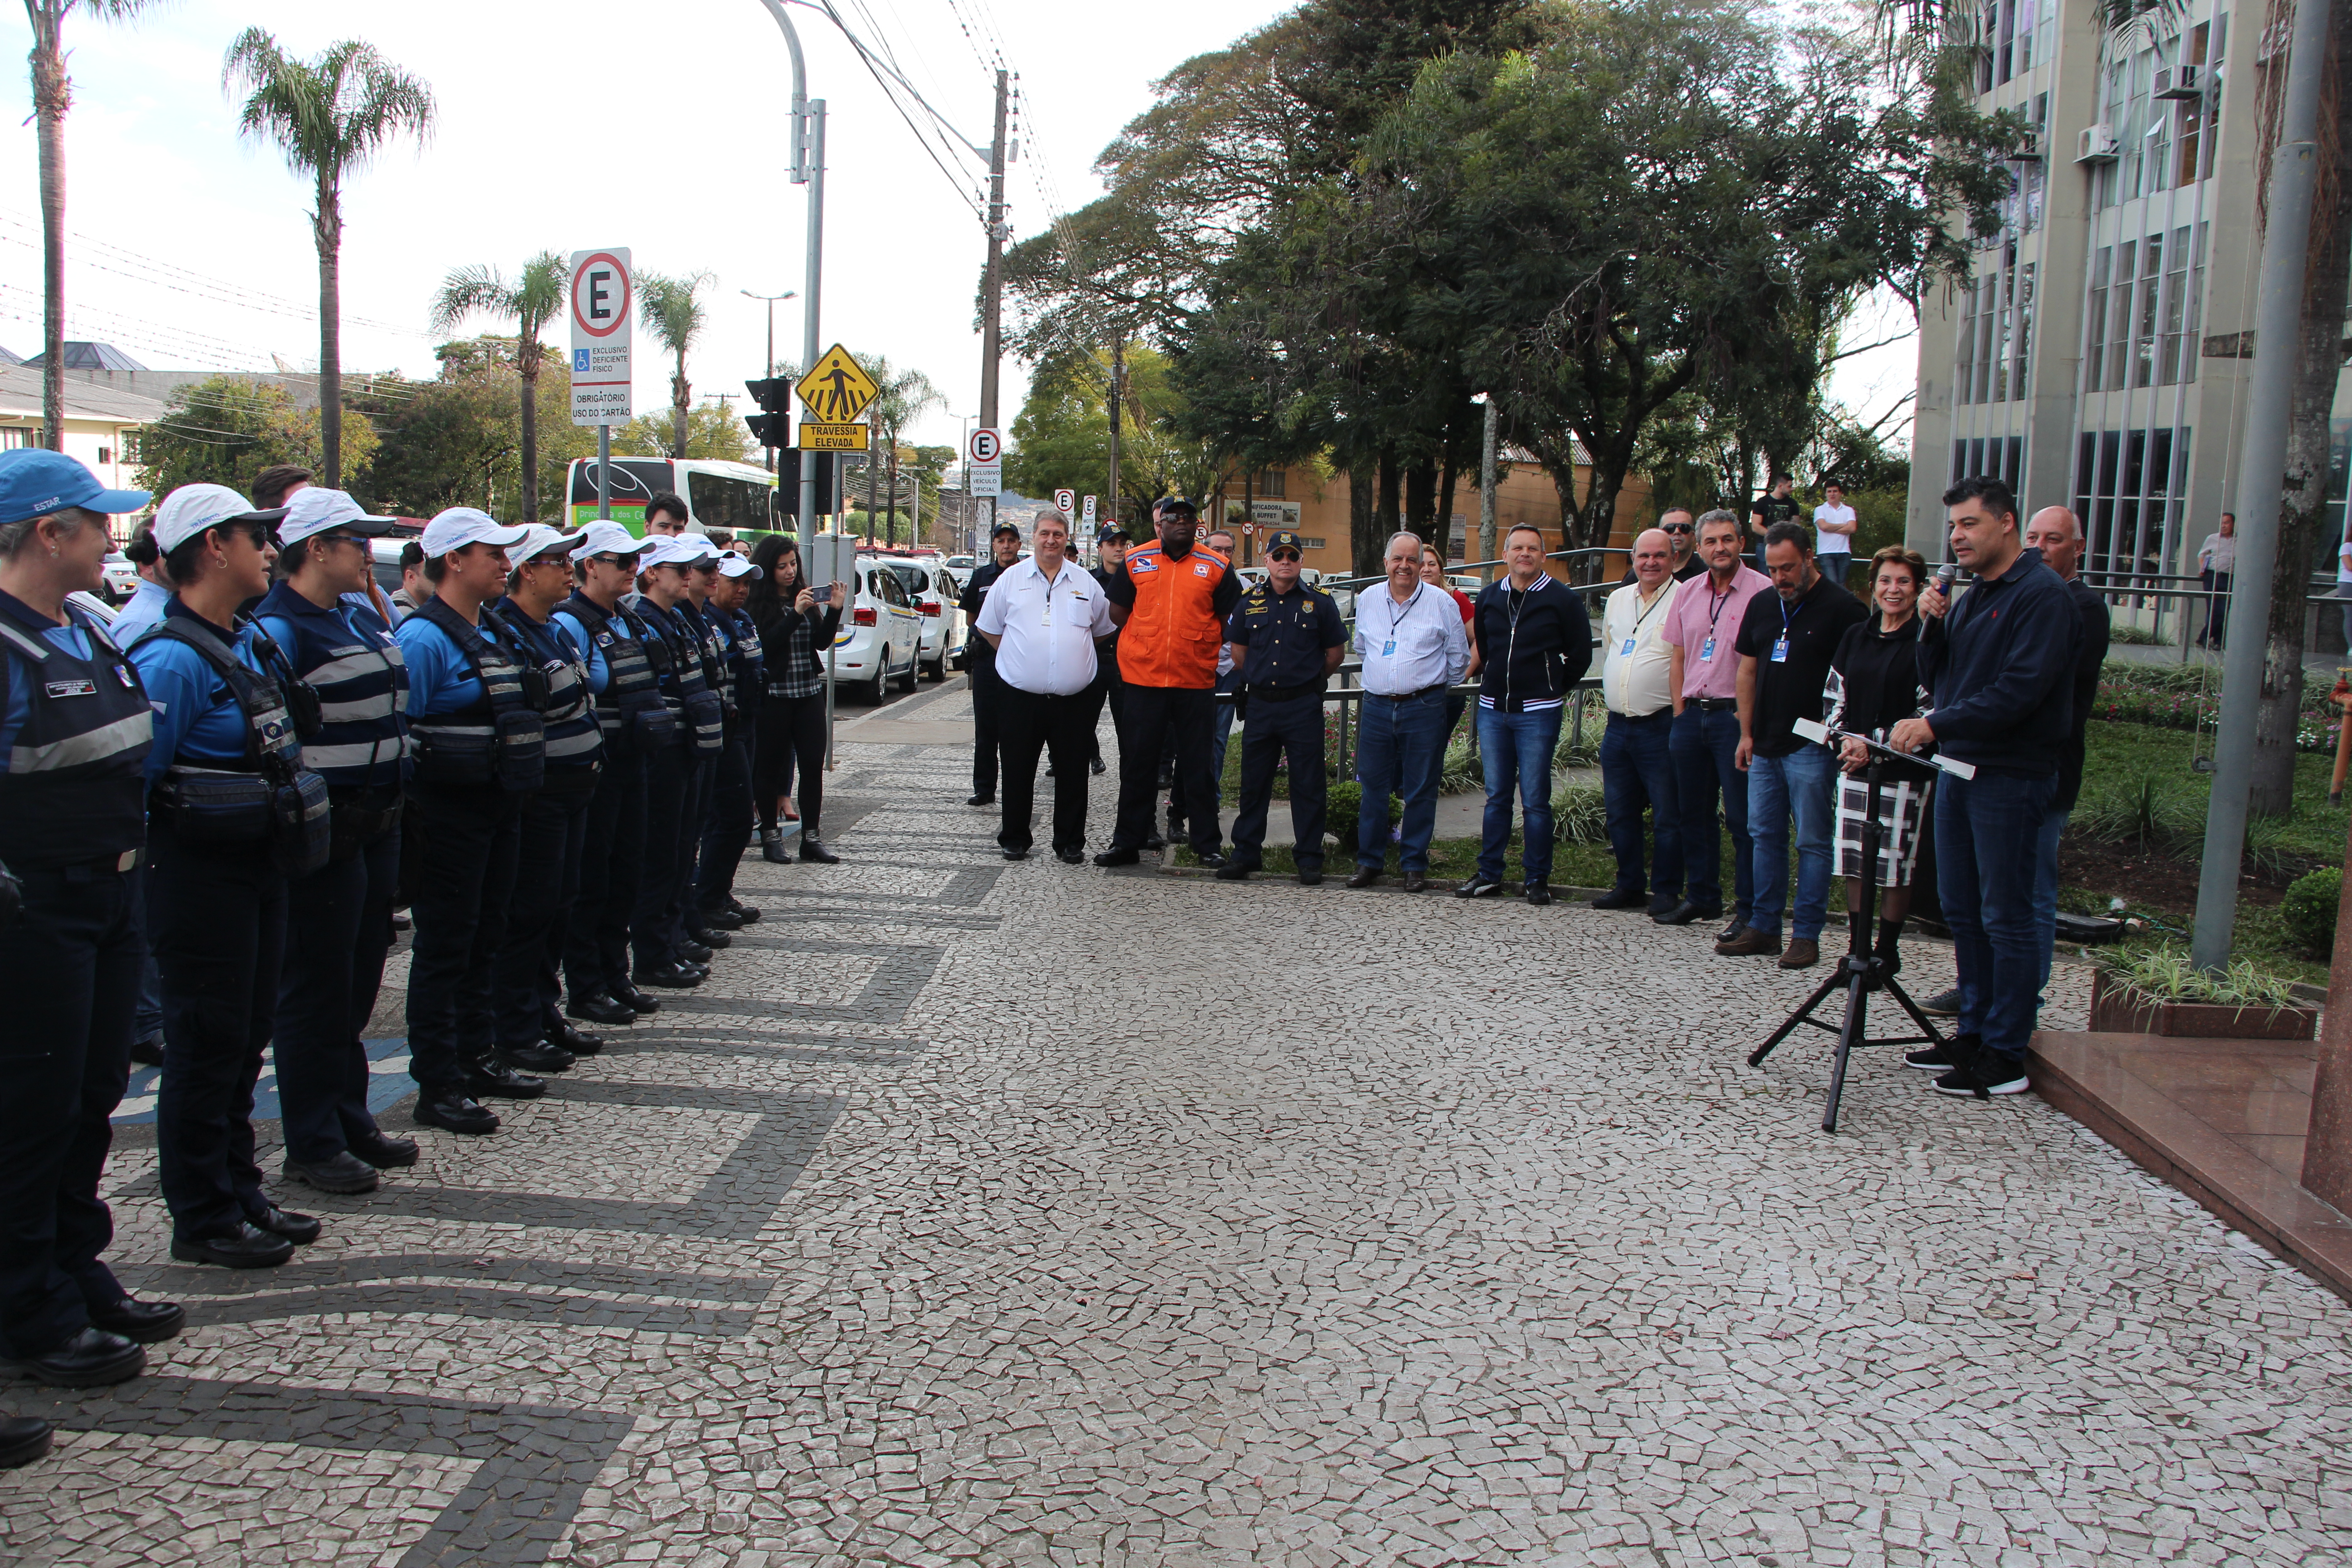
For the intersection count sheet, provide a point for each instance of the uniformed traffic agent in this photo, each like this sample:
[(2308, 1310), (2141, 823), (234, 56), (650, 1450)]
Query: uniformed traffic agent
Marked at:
[(980, 662), (663, 956), (339, 918), (1288, 639), (233, 817), (75, 729), (732, 819)]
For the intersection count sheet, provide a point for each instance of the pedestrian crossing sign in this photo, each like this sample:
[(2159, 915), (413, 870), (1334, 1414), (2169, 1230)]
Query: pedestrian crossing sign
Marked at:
[(836, 389)]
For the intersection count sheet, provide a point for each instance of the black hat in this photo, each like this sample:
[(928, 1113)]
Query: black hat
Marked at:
[(1283, 539), (1178, 503), (1111, 531), (1001, 529)]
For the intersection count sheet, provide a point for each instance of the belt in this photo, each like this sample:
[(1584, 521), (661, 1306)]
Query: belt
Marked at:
[(1712, 704), (1281, 693), (1406, 696), (1653, 713)]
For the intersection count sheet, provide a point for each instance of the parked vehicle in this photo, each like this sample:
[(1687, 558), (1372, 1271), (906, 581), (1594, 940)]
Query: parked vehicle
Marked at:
[(881, 639), (121, 577), (934, 593)]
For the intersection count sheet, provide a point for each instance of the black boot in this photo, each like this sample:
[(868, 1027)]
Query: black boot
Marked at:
[(1890, 955), (771, 846)]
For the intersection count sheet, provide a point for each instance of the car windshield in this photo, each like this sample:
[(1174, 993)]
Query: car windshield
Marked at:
[(916, 578)]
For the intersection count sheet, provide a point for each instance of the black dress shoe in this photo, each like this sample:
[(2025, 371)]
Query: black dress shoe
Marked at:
[(599, 1008), (979, 800), (579, 1042), (346, 1172), (1619, 898), (1310, 879), (1071, 857), (93, 1357), (1096, 766), (702, 972), (1663, 904), (1537, 894), (635, 1000), (385, 1153), (23, 1439), (1216, 861), (148, 1052), (246, 1246), (455, 1111), (671, 976), (1015, 854), (1414, 881), (694, 951), (1479, 887), (745, 914), (816, 853), (1365, 877), (538, 1056), (720, 918), (498, 1078), (1118, 857), (1153, 841), (148, 1322), (1683, 912), (301, 1229), (716, 941), (1234, 871)]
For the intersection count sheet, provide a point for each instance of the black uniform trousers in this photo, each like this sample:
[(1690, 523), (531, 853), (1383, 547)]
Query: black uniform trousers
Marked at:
[(69, 969), (338, 930), (1029, 722), (728, 832), (674, 797), (219, 919), (460, 845), (596, 938), (985, 737), (1155, 714), (549, 844), (1277, 728)]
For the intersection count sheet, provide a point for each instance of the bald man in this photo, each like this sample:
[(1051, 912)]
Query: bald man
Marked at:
[(1637, 770), (2056, 533)]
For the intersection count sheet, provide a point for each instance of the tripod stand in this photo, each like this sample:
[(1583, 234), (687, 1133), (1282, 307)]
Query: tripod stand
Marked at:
[(1861, 970)]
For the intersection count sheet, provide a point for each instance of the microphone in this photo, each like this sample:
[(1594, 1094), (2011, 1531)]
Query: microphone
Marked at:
[(1944, 575)]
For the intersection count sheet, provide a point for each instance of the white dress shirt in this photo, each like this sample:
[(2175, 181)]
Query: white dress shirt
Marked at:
[(1410, 646), (1047, 627), (1636, 654)]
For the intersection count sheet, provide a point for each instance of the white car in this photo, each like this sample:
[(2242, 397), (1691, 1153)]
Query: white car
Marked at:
[(121, 577), (97, 606), (935, 594), (881, 637)]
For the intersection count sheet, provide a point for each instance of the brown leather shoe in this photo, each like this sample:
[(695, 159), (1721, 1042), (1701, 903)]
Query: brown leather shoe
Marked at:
[(1803, 954), (1748, 942), (1365, 877), (1414, 881)]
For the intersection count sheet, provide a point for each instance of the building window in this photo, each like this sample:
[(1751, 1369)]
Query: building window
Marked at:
[(1267, 483), (1306, 543), (2177, 361), (2094, 352), (14, 436), (2127, 491), (2151, 282), (1994, 457)]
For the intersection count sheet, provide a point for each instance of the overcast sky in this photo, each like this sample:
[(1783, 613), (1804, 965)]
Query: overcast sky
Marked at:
[(588, 123)]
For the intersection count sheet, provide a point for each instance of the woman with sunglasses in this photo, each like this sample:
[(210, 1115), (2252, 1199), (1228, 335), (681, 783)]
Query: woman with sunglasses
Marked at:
[(339, 918), (216, 896)]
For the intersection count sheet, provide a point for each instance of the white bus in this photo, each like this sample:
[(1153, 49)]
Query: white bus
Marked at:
[(723, 497)]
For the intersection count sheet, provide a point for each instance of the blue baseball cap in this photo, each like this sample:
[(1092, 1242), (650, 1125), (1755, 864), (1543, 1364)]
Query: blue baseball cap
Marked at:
[(36, 481)]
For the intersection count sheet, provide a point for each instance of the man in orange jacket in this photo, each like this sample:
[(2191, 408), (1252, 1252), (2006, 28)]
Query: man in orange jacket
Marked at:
[(1171, 602)]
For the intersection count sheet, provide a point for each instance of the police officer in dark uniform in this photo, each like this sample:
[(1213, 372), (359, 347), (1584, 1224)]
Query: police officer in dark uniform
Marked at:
[(636, 724), (1288, 639), (233, 817), (75, 729), (480, 740), (532, 1032), (339, 918), (663, 956), (1110, 551), (699, 942), (732, 817), (979, 663)]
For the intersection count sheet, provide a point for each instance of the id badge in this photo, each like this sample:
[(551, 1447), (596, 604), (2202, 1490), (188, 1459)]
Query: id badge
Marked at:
[(1781, 649), (1707, 649), (1387, 650), (1627, 652)]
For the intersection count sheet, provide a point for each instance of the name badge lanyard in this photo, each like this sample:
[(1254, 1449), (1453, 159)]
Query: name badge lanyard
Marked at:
[(1627, 652), (1397, 614), (1780, 648), (1714, 605)]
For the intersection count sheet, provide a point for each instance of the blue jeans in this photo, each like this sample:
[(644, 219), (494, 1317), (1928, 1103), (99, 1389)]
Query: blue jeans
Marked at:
[(1987, 841), (1636, 770), (1703, 746), (1798, 787), (2045, 889), (1400, 750), (1518, 749)]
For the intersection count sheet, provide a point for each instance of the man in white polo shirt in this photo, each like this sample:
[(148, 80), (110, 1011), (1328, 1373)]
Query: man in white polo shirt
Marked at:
[(1833, 532), (1637, 767), (1043, 618)]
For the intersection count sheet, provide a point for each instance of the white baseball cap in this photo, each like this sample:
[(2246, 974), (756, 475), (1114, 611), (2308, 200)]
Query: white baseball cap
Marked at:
[(192, 508), (679, 550), (733, 565), (312, 510), (539, 539), (608, 538), (462, 525)]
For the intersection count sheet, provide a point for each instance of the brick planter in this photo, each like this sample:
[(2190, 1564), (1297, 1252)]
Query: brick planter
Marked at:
[(2120, 1009)]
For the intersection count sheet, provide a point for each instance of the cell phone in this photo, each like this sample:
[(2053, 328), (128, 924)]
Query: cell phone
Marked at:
[(825, 594)]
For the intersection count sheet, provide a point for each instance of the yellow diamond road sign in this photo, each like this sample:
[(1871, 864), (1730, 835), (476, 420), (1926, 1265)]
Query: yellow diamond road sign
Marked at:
[(836, 391)]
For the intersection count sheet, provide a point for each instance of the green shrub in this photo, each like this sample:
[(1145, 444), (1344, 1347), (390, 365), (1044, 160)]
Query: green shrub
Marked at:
[(2309, 909), (1578, 815), (1341, 807), (2165, 971)]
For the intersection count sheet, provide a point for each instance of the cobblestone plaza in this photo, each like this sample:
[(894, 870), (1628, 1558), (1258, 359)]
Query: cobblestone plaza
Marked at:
[(1027, 1214)]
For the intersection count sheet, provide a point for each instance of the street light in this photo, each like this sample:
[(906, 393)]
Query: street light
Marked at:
[(771, 301)]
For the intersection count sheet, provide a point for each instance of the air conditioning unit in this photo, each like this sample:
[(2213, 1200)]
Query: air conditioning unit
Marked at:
[(2182, 83), (2096, 145), (2030, 150)]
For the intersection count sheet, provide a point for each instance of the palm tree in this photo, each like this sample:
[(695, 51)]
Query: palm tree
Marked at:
[(671, 309), (329, 116), (534, 298), (52, 96), (905, 395)]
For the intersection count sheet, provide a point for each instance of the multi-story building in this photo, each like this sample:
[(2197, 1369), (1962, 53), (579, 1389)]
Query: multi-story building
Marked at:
[(2100, 359)]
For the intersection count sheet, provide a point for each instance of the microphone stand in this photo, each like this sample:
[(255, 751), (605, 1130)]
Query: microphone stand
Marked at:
[(1862, 970)]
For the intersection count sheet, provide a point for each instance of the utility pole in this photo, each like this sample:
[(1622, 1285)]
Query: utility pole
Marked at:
[(992, 290), (1486, 486), (807, 169), (2261, 468), (771, 301)]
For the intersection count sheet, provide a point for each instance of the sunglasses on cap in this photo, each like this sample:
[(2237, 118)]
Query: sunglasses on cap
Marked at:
[(1282, 555)]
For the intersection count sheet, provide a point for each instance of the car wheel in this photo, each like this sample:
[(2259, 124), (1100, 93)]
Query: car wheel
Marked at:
[(914, 669), (938, 668), (870, 691)]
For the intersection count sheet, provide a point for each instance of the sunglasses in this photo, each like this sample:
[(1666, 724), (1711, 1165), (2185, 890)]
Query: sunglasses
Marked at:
[(1282, 555), (1680, 528)]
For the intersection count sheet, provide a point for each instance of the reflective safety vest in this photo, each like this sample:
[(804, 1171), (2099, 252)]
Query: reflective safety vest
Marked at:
[(363, 686), (500, 739), (630, 708), (74, 787), (1172, 633), (573, 737)]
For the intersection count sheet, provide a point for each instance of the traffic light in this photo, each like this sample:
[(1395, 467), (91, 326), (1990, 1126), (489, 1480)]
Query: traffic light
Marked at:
[(787, 482), (772, 425)]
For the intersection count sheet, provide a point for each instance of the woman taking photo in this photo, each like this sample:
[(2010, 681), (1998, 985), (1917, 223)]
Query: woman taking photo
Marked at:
[(793, 630), (1874, 682)]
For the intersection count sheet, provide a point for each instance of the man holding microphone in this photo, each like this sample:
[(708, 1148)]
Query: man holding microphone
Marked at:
[(1998, 665)]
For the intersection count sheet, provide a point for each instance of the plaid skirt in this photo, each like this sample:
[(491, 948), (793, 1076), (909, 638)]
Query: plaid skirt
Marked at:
[(1901, 805)]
